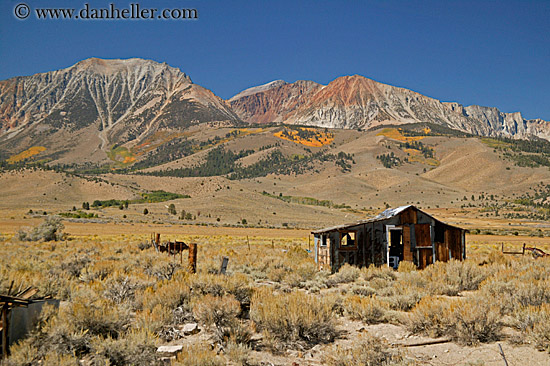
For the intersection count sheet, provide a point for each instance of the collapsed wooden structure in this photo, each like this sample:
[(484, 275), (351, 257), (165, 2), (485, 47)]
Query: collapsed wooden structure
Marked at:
[(535, 252), (400, 234), (19, 314), (175, 247)]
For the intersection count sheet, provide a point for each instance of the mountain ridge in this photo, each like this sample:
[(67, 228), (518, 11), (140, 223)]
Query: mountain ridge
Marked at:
[(82, 112), (115, 101), (358, 102)]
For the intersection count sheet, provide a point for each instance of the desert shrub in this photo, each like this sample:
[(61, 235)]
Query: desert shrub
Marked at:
[(295, 252), (143, 245), (74, 266), (406, 266), (220, 314), (365, 351), (427, 317), (237, 353), (134, 348), (370, 310), (159, 320), (27, 355), (170, 294), (121, 288), (98, 316), (450, 278), (535, 322), (277, 274), (404, 294), (474, 321), (50, 229), (53, 358), (345, 274), (237, 285), (467, 321), (303, 272), (363, 290), (294, 318), (198, 355), (514, 293), (373, 272)]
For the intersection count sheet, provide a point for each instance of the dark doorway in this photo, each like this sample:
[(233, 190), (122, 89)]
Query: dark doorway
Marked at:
[(395, 250)]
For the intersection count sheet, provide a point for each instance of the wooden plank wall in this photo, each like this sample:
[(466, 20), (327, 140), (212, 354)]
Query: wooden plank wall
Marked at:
[(407, 253), (422, 234), (424, 257), (442, 252), (453, 239)]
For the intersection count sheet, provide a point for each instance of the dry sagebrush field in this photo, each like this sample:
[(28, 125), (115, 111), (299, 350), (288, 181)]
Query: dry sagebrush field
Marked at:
[(121, 300)]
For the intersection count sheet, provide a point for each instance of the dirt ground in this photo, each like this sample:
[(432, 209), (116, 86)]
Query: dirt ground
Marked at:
[(439, 354)]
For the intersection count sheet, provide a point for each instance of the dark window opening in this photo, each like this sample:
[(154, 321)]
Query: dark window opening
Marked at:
[(347, 239)]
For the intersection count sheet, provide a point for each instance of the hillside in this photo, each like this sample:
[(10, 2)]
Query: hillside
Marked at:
[(285, 176), (281, 154)]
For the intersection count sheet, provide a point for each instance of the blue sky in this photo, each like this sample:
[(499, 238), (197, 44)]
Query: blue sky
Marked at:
[(492, 53)]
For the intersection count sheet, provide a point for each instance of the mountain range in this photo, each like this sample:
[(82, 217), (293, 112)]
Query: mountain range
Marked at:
[(353, 102), (97, 104)]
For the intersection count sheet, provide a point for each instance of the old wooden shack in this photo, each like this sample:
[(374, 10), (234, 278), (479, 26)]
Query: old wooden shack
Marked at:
[(399, 234)]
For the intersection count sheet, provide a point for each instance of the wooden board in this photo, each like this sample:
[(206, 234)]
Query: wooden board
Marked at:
[(408, 216), (424, 257), (422, 234), (442, 252), (407, 254), (453, 238)]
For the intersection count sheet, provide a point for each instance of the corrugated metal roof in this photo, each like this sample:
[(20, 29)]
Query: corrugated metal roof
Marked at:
[(387, 214), (391, 212)]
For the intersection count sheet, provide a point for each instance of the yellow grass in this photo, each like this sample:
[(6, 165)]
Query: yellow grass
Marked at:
[(495, 143), (30, 152), (416, 156), (157, 139), (320, 139), (395, 134)]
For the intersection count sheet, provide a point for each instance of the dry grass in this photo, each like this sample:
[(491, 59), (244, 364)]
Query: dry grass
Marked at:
[(295, 319), (467, 321), (370, 310), (366, 351), (121, 301)]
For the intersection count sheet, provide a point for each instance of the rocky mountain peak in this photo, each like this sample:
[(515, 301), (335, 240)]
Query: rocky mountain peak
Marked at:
[(121, 100), (355, 101), (259, 89)]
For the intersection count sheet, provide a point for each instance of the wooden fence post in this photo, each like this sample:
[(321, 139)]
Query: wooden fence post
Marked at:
[(223, 267), (5, 329), (192, 258)]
